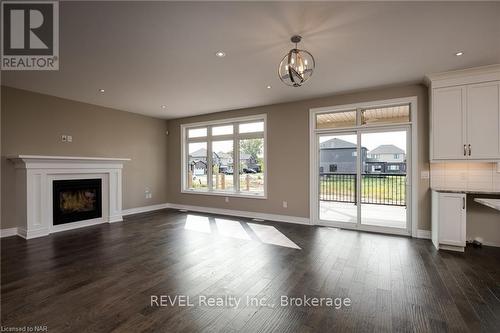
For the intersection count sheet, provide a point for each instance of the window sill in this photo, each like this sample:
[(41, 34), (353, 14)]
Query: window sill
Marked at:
[(227, 194)]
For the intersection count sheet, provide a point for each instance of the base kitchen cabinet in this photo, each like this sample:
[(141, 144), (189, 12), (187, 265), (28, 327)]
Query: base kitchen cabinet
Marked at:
[(449, 220)]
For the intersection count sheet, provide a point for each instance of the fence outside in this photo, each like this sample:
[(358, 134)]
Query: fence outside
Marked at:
[(380, 189)]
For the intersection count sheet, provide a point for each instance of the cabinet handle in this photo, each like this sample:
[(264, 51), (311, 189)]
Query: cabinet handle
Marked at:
[(463, 203), (465, 150), (470, 149)]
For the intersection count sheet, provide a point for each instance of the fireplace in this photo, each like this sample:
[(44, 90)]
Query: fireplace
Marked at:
[(76, 200)]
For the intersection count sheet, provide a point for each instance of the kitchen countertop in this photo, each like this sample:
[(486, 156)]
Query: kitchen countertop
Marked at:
[(448, 190), (492, 203)]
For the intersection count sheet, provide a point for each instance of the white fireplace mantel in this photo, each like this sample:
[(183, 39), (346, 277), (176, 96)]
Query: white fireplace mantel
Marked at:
[(34, 177)]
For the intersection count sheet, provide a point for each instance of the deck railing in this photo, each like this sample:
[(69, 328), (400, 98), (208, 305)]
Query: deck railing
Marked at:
[(380, 188)]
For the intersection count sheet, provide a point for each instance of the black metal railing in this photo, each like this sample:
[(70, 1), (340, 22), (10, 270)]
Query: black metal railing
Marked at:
[(380, 188)]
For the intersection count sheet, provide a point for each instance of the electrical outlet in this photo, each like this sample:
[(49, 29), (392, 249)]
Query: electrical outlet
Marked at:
[(285, 204), (69, 138), (64, 138), (226, 199), (148, 194)]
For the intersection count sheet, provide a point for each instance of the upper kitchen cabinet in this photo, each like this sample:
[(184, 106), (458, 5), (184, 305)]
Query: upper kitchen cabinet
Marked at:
[(465, 114), (483, 120)]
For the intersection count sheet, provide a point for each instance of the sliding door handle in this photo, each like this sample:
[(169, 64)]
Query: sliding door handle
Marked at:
[(465, 150), (463, 203), (470, 150)]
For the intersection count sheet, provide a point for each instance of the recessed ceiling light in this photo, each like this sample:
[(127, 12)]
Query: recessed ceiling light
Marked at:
[(163, 106), (101, 90), (268, 87), (220, 54), (459, 53)]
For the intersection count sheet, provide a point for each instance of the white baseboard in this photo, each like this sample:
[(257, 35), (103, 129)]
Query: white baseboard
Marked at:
[(8, 232), (241, 213), (144, 209), (495, 244), (424, 234)]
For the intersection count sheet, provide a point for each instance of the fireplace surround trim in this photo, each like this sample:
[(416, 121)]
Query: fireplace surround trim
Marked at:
[(34, 177)]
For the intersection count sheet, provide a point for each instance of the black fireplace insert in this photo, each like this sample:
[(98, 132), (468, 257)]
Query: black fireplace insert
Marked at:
[(76, 200)]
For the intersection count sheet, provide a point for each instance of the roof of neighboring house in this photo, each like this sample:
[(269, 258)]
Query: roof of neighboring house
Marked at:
[(223, 155), (202, 152), (336, 143), (386, 149)]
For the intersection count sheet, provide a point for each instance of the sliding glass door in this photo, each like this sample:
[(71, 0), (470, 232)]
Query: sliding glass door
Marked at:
[(363, 179), (362, 169)]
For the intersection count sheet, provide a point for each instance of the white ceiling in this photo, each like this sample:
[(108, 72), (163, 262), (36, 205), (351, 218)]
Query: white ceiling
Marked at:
[(148, 54)]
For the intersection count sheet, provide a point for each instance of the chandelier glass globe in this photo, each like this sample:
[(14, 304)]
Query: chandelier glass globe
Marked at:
[(297, 66)]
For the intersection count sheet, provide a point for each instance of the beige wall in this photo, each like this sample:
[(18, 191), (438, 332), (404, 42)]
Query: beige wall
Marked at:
[(33, 123), (483, 222), (288, 153)]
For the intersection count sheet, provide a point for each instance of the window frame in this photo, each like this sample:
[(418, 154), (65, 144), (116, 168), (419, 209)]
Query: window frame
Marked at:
[(235, 137)]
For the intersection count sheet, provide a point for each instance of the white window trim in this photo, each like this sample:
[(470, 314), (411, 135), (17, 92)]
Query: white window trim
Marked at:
[(236, 136)]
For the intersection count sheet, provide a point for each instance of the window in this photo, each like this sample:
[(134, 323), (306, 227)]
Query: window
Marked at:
[(336, 119), (333, 167), (396, 156), (386, 115), (397, 114), (393, 167), (225, 157)]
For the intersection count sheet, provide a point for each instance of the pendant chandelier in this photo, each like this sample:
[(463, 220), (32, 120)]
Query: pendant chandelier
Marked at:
[(297, 66)]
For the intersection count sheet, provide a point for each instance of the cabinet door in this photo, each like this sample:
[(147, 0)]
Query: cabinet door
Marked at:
[(483, 121), (451, 219), (448, 137)]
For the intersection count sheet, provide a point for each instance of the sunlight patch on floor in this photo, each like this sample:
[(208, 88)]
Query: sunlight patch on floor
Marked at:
[(230, 228), (270, 235), (197, 223)]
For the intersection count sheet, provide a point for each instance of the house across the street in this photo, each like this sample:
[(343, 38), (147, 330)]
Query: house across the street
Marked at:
[(339, 156)]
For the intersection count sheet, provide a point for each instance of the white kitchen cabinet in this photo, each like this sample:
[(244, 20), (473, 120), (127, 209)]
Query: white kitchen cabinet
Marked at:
[(465, 114), (448, 123), (483, 120), (449, 220)]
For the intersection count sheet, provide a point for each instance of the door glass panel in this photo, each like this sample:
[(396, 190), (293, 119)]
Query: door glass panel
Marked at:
[(336, 119), (337, 177), (383, 179)]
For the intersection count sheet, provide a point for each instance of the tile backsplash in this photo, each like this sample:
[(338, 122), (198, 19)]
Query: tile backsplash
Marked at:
[(469, 176)]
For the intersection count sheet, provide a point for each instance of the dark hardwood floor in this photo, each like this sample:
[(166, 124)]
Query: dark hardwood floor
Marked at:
[(100, 279)]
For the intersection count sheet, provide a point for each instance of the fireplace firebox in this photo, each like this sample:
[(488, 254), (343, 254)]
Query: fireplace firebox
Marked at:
[(76, 200)]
